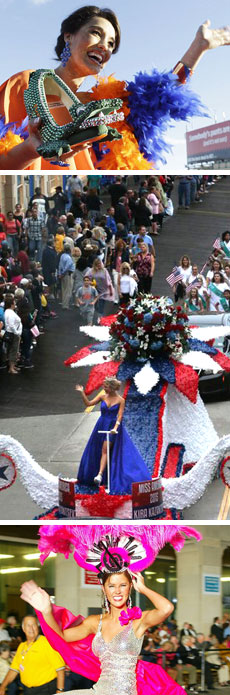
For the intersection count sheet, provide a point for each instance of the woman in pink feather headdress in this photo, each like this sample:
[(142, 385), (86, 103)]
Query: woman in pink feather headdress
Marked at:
[(106, 647)]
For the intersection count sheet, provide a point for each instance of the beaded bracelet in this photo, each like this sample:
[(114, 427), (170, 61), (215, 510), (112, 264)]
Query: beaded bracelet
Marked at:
[(182, 72)]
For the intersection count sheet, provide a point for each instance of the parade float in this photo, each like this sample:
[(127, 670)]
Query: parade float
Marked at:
[(155, 353)]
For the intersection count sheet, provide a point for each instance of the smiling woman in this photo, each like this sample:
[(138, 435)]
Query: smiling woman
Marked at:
[(88, 38), (106, 647)]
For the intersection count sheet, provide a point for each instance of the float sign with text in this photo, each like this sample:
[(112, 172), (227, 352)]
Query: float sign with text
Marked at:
[(147, 501)]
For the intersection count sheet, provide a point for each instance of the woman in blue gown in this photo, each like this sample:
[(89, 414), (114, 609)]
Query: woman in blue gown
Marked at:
[(126, 464)]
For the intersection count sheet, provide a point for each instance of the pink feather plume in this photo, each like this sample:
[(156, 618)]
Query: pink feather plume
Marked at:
[(79, 539)]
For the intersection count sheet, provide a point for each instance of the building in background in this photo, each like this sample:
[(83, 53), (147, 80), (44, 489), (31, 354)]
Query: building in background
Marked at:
[(196, 580)]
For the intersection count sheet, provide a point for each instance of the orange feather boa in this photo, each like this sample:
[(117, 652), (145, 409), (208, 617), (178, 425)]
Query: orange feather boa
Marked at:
[(125, 153)]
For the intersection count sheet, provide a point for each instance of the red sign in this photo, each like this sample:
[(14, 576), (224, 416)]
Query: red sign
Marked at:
[(67, 497), (209, 144), (147, 499), (91, 578)]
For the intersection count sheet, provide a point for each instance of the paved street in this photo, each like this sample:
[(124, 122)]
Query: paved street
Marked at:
[(40, 407)]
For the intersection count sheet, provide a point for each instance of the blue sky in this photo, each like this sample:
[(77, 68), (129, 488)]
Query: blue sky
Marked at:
[(153, 34)]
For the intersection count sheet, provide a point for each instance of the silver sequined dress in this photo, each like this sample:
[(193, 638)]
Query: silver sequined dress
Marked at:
[(118, 660)]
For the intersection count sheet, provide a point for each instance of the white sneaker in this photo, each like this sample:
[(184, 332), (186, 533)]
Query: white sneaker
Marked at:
[(98, 479)]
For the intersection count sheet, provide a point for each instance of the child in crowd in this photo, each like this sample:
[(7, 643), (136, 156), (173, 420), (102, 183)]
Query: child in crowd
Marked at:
[(86, 298)]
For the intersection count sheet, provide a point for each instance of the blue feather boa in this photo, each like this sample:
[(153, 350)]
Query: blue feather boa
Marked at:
[(154, 101), (16, 129)]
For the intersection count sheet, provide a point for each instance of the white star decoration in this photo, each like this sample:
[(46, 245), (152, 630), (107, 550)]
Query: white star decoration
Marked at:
[(200, 360), (146, 379), (207, 333), (92, 359), (98, 332)]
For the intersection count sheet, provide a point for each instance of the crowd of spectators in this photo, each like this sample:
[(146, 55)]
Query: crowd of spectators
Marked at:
[(192, 189), (180, 652), (68, 247), (207, 289), (85, 246)]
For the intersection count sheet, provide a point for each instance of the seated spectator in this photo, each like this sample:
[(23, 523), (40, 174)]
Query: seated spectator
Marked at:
[(13, 627), (148, 651), (187, 661), (203, 645), (43, 668), (216, 661), (4, 659), (4, 634), (86, 297), (163, 633)]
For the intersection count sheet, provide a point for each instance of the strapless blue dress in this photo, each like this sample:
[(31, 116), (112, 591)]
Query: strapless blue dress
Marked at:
[(126, 464)]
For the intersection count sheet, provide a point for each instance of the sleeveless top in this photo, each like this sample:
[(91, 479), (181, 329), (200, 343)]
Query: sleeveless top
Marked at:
[(118, 660)]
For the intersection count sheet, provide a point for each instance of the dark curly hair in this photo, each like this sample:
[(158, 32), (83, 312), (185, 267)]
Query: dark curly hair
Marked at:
[(77, 19)]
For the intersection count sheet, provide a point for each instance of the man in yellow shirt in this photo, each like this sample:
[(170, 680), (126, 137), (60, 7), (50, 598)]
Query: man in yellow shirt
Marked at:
[(41, 668)]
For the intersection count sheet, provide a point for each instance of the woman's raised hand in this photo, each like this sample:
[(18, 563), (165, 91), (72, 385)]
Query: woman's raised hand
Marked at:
[(36, 597), (78, 387), (138, 582), (213, 38)]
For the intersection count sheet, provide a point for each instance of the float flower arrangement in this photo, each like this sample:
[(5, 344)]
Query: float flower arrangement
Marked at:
[(148, 328)]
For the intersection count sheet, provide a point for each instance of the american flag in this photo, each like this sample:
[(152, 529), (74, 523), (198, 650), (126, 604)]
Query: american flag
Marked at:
[(175, 276), (203, 268), (194, 283), (216, 244)]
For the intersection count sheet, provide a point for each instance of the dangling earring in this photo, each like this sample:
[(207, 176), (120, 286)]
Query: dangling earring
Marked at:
[(65, 55), (106, 604), (129, 602)]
